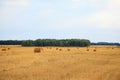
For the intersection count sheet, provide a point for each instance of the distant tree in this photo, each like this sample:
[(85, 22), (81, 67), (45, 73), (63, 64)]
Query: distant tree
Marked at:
[(27, 43), (48, 42), (105, 43)]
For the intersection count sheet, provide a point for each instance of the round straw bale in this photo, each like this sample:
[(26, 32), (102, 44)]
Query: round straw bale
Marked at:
[(68, 49), (60, 49), (38, 50), (87, 49), (3, 49), (94, 50), (8, 48), (57, 48)]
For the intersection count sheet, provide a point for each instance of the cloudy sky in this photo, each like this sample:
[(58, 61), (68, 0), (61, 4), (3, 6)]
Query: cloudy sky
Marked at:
[(96, 20)]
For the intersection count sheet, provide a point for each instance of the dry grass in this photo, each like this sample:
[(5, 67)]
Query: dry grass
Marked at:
[(20, 63)]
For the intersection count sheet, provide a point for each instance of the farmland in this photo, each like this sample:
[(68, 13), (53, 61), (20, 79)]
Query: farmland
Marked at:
[(60, 63)]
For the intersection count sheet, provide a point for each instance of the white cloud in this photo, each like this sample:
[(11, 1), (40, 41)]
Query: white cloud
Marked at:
[(16, 3), (46, 11), (78, 3), (102, 19), (85, 3), (107, 17), (12, 7)]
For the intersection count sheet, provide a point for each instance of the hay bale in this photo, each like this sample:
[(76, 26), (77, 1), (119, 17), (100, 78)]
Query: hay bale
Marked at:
[(3, 49), (60, 49), (112, 47), (68, 49), (87, 49), (57, 48), (38, 50), (94, 50), (8, 48)]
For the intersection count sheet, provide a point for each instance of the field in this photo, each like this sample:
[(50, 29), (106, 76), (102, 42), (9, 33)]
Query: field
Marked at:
[(60, 63)]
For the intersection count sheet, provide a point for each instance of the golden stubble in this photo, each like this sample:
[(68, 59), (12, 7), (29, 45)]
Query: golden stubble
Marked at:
[(60, 63)]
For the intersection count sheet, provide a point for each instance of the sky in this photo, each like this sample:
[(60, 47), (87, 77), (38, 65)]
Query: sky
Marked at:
[(96, 20)]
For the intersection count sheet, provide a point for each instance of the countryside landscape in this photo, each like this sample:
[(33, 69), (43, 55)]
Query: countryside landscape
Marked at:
[(59, 39), (95, 62)]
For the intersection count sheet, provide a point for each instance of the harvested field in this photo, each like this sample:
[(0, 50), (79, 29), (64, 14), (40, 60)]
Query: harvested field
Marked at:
[(21, 63)]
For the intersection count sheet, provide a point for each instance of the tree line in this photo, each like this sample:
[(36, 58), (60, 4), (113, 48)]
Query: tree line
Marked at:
[(11, 42), (55, 42), (48, 42), (105, 43)]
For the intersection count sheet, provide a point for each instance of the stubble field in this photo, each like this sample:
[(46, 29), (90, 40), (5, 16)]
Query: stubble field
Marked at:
[(60, 63)]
